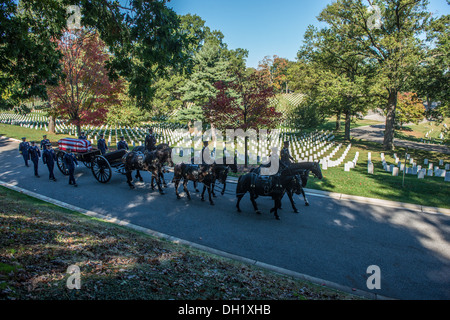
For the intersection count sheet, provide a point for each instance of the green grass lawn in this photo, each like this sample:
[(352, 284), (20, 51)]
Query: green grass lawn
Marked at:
[(416, 132), (431, 191)]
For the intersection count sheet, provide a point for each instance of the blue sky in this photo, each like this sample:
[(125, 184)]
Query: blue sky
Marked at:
[(265, 27)]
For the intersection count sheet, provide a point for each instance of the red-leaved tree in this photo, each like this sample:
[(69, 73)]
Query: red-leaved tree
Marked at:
[(86, 92), (243, 104)]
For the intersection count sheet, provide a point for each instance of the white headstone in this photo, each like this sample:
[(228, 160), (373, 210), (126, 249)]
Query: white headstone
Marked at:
[(430, 172), (447, 176), (395, 171), (441, 162), (425, 161), (370, 168), (421, 174), (346, 167)]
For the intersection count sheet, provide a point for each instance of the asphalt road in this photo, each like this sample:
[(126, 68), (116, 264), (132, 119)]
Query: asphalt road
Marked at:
[(332, 239), (375, 133)]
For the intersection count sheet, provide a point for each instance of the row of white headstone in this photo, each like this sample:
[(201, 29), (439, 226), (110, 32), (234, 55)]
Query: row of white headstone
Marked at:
[(417, 169), (327, 161)]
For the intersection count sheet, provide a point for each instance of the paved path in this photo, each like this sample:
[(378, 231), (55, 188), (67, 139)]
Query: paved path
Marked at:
[(375, 133), (332, 239)]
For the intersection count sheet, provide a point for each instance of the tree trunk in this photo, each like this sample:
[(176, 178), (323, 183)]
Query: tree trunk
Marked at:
[(51, 124), (338, 121), (388, 141), (348, 121)]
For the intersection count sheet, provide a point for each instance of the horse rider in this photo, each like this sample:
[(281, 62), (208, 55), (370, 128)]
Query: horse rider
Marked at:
[(49, 158), (150, 141), (35, 154), (70, 161), (122, 144), (101, 144), (206, 154), (23, 149), (285, 156), (44, 142)]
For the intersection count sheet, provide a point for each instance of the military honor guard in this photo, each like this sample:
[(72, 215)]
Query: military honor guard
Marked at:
[(122, 144), (23, 149), (82, 136), (49, 158), (285, 156), (35, 154), (70, 161), (44, 142), (150, 141), (101, 145)]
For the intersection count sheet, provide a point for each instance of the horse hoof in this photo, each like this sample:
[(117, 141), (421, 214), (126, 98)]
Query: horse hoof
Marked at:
[(278, 218), (203, 199), (295, 211), (239, 210), (196, 190), (214, 196), (162, 192), (212, 203), (165, 186), (258, 212), (272, 210), (178, 197), (131, 187), (307, 204)]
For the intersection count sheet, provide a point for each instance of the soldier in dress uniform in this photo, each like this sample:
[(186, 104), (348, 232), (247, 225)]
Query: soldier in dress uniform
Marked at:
[(35, 154), (49, 158), (82, 135), (70, 161), (122, 144), (23, 149), (101, 145), (44, 142), (150, 141), (285, 156)]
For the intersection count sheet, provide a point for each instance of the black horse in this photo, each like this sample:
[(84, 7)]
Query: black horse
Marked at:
[(147, 161), (274, 186), (164, 154), (303, 169), (289, 179), (202, 173), (221, 173)]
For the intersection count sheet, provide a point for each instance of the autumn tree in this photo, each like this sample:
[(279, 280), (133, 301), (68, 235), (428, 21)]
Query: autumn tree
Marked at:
[(275, 72), (85, 93), (243, 104)]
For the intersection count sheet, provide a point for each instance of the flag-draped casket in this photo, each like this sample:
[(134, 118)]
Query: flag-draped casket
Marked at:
[(76, 145)]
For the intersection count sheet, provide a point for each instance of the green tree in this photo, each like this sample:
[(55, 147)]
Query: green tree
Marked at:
[(393, 48), (28, 56)]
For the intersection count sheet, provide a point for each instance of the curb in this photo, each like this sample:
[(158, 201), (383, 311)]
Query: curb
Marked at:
[(281, 271)]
